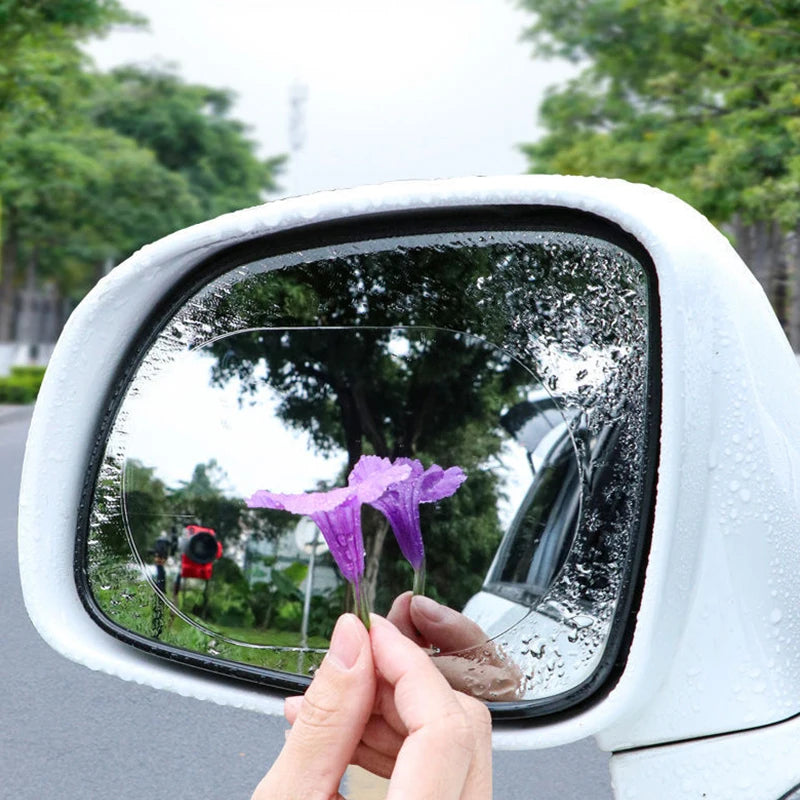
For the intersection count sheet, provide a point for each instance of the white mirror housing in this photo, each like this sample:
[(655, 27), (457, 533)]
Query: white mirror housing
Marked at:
[(716, 639)]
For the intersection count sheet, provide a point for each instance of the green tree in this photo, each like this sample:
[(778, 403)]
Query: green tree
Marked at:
[(95, 165), (189, 128), (42, 80), (699, 98), (347, 388), (78, 195)]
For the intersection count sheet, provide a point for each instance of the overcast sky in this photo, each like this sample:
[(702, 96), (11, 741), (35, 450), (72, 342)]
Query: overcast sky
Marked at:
[(419, 89)]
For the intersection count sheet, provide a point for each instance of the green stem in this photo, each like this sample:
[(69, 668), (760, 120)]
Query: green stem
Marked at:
[(419, 579), (362, 606)]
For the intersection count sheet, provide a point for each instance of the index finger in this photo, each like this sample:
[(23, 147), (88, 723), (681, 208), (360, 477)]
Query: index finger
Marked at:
[(439, 730), (329, 720)]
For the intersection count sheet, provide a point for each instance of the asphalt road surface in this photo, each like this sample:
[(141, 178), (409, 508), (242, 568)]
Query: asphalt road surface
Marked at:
[(72, 734)]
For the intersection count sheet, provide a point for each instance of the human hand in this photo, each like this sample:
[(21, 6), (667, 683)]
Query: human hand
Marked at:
[(465, 656), (327, 722), (434, 742)]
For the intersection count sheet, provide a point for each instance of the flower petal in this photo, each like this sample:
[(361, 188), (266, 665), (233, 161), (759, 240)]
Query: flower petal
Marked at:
[(306, 503), (438, 483), (367, 467), (341, 529), (372, 476)]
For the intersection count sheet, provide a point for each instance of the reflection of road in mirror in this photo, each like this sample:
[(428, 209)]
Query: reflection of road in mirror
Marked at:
[(462, 652)]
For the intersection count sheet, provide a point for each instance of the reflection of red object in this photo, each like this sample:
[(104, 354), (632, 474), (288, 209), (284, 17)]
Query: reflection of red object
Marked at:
[(199, 551)]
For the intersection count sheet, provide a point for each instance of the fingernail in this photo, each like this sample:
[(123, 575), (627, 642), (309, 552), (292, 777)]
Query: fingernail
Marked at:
[(346, 641), (429, 608), (380, 622)]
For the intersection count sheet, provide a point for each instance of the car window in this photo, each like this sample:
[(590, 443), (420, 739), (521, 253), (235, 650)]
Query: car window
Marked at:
[(538, 538)]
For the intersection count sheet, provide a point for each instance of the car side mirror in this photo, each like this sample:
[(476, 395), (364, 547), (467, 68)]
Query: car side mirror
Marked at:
[(510, 328)]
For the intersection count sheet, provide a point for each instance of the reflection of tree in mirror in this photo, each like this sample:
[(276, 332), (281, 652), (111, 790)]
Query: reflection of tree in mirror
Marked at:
[(154, 509), (157, 511), (388, 353), (401, 373)]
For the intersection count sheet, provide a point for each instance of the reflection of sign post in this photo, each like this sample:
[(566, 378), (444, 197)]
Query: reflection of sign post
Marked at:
[(309, 540)]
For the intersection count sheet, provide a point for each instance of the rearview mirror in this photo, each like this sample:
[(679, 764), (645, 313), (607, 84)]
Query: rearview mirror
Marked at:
[(518, 346), (579, 381)]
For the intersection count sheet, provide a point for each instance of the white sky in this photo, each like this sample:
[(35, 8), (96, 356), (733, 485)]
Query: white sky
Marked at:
[(419, 89)]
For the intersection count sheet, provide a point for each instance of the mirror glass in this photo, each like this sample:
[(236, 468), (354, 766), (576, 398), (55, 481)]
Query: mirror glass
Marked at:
[(516, 361)]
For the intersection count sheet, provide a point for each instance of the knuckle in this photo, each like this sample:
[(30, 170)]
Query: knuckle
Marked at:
[(479, 714), (317, 712), (456, 726)]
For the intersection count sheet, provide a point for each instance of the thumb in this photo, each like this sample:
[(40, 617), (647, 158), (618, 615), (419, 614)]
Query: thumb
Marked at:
[(330, 721)]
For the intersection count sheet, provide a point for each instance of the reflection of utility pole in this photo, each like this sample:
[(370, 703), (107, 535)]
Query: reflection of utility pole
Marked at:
[(309, 590), (313, 547), (298, 99)]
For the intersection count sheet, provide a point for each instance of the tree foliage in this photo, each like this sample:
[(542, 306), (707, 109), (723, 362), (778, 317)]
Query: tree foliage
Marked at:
[(97, 165), (188, 128), (699, 98), (702, 98)]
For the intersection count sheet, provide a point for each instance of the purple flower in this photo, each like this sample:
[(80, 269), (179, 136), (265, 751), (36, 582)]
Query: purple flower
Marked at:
[(400, 502), (337, 513)]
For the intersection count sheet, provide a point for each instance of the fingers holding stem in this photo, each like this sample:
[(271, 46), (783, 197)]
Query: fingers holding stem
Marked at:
[(326, 730), (443, 727)]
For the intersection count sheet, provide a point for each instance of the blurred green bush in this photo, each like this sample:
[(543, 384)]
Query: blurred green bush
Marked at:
[(21, 386)]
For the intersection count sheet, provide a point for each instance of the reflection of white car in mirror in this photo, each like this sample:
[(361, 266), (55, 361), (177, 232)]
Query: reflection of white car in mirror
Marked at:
[(535, 545), (645, 591)]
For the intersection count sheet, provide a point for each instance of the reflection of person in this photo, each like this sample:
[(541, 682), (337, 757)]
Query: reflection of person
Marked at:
[(465, 656), (377, 701), (160, 555)]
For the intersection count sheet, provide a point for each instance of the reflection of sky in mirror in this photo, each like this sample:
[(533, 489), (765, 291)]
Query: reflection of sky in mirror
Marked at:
[(177, 420)]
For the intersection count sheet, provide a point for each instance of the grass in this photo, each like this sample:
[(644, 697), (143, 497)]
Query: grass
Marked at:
[(135, 607)]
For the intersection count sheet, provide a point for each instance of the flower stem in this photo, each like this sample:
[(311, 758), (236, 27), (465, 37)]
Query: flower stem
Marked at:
[(362, 606), (419, 580)]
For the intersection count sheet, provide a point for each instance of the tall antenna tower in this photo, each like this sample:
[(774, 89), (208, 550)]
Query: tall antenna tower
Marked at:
[(298, 100)]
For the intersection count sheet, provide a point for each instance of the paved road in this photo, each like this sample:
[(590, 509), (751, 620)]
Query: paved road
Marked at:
[(72, 734)]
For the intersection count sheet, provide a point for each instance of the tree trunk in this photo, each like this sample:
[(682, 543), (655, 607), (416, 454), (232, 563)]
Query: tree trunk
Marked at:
[(779, 292), (8, 271), (374, 546), (763, 248), (32, 269), (792, 250)]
